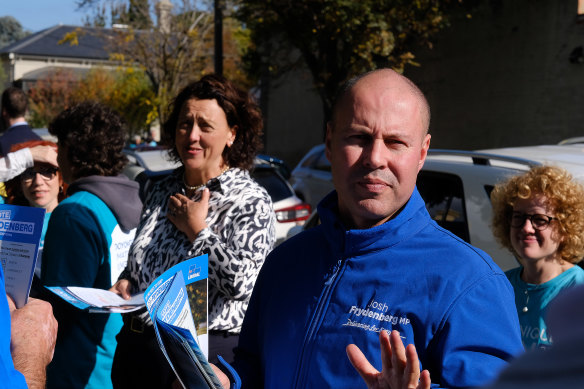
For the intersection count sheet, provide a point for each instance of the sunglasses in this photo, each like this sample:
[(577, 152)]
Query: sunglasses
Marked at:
[(46, 172)]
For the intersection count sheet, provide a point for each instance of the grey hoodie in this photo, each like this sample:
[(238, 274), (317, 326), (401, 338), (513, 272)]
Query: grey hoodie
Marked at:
[(119, 193)]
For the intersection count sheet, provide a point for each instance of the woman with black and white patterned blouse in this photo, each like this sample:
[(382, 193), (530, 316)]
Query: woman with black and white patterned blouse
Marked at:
[(208, 205)]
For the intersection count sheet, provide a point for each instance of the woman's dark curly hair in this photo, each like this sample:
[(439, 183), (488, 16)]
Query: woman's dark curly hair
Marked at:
[(94, 136), (240, 110)]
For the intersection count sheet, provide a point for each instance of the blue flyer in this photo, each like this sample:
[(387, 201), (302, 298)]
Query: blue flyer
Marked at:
[(177, 303), (20, 235)]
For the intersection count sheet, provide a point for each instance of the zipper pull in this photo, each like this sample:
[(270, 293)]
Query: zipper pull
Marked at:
[(334, 272)]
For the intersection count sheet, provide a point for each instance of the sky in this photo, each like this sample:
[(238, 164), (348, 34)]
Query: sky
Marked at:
[(36, 15)]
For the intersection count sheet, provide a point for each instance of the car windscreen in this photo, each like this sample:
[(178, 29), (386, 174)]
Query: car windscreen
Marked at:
[(443, 194), (276, 186)]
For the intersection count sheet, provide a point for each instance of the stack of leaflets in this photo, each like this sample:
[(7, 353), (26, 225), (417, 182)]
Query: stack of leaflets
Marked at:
[(20, 235), (183, 337)]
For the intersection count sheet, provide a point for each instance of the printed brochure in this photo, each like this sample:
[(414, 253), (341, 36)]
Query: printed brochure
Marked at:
[(97, 300), (20, 235), (177, 304)]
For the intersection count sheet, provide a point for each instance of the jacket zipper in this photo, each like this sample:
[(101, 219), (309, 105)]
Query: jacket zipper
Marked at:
[(316, 321)]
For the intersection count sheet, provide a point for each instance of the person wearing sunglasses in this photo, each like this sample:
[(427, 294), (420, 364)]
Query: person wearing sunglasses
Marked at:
[(29, 333), (16, 162), (39, 186), (539, 216)]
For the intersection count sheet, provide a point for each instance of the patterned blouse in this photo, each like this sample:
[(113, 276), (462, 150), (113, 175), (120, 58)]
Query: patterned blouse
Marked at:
[(239, 236)]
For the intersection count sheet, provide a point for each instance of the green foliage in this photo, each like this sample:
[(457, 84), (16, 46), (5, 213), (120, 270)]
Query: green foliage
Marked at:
[(338, 39), (10, 30), (127, 90), (134, 98), (3, 77), (236, 42), (136, 13)]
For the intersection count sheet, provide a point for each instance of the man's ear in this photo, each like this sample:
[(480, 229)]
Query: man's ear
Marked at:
[(424, 151)]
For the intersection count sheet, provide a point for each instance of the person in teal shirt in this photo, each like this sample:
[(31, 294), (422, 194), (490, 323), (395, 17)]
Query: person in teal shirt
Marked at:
[(539, 216), (87, 240)]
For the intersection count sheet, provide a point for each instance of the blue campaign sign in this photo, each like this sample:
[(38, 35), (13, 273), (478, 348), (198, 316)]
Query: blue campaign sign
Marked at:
[(20, 235), (21, 224)]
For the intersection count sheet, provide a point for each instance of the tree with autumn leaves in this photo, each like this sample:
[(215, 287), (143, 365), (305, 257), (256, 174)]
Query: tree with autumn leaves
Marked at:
[(175, 50), (154, 61), (125, 89), (335, 39), (171, 55)]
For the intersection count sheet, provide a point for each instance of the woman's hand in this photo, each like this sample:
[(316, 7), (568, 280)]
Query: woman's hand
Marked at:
[(189, 216), (122, 288)]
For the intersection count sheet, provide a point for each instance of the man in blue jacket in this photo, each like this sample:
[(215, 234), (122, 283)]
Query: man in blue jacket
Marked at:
[(377, 263)]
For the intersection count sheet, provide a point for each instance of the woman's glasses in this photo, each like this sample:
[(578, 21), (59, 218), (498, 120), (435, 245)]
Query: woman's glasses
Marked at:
[(46, 172), (538, 221)]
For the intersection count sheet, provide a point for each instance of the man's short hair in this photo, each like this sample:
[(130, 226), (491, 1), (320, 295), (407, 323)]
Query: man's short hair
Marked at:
[(346, 88), (14, 102)]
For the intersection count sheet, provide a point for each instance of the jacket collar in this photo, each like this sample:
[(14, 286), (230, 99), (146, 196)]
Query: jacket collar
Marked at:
[(351, 242)]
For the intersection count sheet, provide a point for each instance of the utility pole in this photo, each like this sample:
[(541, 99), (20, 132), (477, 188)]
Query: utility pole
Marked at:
[(218, 38)]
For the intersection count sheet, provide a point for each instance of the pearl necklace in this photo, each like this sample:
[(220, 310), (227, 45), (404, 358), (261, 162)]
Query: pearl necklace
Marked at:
[(526, 291), (197, 187)]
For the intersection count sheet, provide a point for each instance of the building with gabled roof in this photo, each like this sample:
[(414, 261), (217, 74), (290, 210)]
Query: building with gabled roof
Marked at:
[(30, 59)]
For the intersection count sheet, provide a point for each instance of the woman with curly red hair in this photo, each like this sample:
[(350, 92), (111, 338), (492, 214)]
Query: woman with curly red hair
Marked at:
[(539, 216)]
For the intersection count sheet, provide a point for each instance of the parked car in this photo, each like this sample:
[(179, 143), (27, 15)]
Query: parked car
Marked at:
[(290, 210), (147, 166), (279, 164), (456, 186), (311, 179), (44, 134)]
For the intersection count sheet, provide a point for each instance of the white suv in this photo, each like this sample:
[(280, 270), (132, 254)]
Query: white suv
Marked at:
[(456, 185)]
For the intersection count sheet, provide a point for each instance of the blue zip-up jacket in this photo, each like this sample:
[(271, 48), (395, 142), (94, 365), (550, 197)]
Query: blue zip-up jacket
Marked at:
[(329, 287)]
